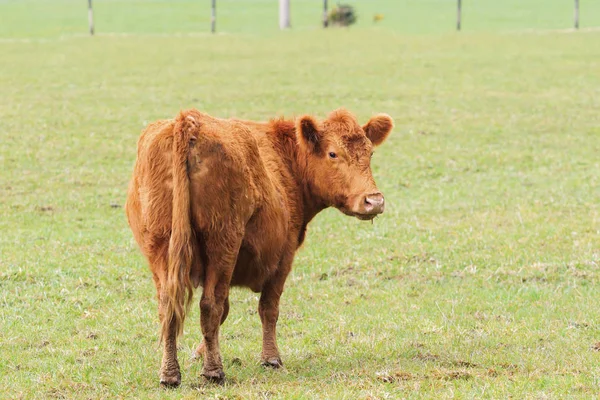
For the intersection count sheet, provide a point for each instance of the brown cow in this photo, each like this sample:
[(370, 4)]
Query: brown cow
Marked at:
[(217, 203)]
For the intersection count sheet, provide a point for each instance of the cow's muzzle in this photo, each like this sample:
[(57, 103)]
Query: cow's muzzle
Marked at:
[(374, 203), (369, 206)]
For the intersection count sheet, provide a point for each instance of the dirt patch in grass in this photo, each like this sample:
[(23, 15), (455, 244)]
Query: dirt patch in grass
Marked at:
[(464, 364), (397, 376), (451, 375)]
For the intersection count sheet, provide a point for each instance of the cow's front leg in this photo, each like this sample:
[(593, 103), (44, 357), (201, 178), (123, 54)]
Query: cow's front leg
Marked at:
[(268, 309)]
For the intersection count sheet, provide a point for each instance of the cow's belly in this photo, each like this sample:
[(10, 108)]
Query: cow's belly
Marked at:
[(249, 271), (265, 239)]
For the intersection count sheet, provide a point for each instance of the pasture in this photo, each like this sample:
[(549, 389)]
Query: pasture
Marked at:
[(479, 281)]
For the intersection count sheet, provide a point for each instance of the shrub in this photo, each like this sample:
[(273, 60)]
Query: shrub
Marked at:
[(342, 15)]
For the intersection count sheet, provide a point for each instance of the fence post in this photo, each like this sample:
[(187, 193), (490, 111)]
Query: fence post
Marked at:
[(91, 17), (325, 19), (576, 14), (458, 14), (213, 16), (284, 14)]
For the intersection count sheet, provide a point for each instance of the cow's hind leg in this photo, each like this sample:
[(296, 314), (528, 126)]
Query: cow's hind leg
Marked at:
[(221, 251), (199, 353), (170, 375), (268, 309), (223, 204)]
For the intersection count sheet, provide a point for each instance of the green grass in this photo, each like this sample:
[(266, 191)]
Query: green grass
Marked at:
[(480, 280)]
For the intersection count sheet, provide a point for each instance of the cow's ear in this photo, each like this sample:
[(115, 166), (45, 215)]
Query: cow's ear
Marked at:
[(378, 128), (310, 134)]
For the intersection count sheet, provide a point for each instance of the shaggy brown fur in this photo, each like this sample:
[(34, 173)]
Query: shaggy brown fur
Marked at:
[(217, 203)]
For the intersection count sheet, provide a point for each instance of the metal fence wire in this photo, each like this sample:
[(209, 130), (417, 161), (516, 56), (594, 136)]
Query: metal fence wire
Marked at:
[(63, 17)]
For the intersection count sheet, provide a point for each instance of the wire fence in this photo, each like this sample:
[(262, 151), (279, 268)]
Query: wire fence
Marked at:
[(43, 18)]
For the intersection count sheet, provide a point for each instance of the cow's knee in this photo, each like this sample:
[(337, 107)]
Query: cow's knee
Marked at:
[(207, 305), (210, 307), (211, 311), (268, 311)]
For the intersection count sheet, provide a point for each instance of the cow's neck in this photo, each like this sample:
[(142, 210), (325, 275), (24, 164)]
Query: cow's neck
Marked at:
[(311, 204)]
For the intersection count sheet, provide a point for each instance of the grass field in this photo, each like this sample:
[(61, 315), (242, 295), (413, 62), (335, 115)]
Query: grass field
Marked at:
[(480, 280)]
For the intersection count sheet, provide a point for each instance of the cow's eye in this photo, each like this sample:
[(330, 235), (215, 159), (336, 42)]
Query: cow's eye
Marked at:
[(332, 154)]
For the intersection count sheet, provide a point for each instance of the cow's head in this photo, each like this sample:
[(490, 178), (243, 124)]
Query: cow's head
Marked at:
[(338, 168)]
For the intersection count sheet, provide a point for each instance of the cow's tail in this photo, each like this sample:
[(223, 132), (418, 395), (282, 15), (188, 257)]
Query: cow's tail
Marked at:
[(179, 288)]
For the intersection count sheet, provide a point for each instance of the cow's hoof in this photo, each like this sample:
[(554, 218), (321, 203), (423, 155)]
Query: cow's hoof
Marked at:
[(170, 381), (273, 362), (214, 376)]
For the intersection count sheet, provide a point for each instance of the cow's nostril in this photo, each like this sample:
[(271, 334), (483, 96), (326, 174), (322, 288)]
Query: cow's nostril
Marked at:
[(373, 203)]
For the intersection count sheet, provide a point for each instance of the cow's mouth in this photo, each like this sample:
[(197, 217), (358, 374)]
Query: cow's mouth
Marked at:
[(364, 208), (361, 216), (366, 217)]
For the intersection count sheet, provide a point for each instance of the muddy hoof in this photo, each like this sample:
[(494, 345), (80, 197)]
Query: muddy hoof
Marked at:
[(217, 376), (170, 382), (273, 362)]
